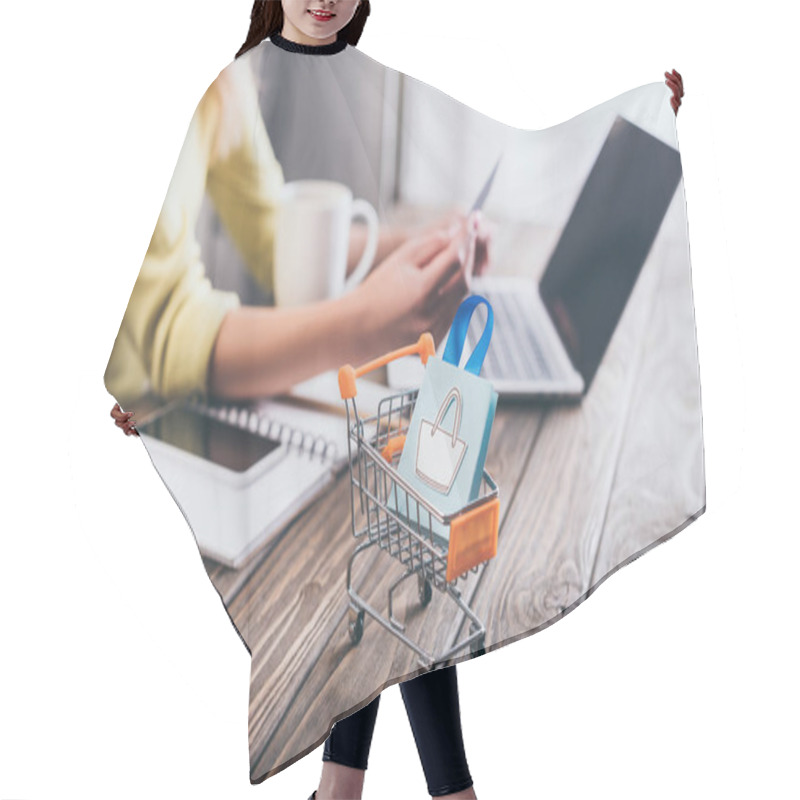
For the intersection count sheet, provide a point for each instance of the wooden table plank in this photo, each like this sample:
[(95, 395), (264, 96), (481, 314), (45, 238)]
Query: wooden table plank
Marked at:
[(660, 481), (550, 537)]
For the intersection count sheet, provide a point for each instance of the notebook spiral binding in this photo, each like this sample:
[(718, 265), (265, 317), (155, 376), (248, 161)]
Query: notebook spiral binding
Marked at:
[(303, 441)]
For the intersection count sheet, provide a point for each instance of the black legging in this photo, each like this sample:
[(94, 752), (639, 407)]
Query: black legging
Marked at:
[(431, 701)]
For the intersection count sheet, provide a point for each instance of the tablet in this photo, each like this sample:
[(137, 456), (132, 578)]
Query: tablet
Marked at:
[(229, 447)]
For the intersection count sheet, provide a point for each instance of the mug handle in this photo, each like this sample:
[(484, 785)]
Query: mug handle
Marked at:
[(363, 208)]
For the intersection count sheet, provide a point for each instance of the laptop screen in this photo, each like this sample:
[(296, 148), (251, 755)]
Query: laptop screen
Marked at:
[(598, 258)]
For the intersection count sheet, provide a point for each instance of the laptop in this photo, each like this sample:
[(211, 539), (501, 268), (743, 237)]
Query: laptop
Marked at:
[(550, 336)]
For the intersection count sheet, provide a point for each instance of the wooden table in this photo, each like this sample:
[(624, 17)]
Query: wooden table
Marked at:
[(584, 489)]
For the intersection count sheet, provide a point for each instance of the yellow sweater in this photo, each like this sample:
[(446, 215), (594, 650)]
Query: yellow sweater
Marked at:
[(167, 334)]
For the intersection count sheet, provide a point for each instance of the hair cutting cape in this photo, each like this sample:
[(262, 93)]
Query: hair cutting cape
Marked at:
[(337, 588)]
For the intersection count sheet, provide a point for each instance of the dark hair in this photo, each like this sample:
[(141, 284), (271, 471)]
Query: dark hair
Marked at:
[(266, 18)]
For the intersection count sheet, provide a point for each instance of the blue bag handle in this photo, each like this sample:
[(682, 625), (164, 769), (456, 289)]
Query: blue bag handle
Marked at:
[(458, 335)]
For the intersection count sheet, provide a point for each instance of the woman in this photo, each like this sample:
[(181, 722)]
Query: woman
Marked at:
[(180, 336), (431, 699)]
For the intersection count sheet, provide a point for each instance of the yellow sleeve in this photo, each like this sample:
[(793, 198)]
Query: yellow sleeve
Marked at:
[(167, 334), (245, 177)]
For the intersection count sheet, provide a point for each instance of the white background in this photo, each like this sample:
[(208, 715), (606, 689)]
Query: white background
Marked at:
[(120, 673)]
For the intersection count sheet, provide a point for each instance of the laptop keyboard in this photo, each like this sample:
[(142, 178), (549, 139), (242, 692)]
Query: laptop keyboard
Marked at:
[(514, 352)]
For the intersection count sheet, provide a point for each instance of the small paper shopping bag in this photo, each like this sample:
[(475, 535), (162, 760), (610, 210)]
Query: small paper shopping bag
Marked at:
[(439, 453), (449, 431)]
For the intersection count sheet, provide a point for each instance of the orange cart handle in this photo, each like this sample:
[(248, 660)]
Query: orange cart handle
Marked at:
[(347, 374)]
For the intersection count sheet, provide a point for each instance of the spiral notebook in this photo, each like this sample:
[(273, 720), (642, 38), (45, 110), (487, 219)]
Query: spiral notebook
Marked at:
[(241, 473)]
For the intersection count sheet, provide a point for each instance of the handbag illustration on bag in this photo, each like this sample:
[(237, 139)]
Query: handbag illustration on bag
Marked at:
[(448, 434), (439, 453)]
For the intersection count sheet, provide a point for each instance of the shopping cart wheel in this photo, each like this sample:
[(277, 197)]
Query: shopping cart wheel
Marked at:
[(477, 647), (425, 591), (356, 624)]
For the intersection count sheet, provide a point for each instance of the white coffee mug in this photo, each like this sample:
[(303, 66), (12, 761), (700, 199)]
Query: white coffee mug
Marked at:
[(312, 239)]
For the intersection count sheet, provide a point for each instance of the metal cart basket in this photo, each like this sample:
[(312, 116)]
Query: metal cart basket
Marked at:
[(406, 530)]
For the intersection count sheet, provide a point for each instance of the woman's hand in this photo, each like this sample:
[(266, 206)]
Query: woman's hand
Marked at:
[(457, 222), (417, 288), (675, 82), (122, 419)]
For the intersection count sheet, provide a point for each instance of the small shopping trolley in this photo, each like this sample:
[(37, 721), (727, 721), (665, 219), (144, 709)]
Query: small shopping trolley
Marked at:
[(374, 445)]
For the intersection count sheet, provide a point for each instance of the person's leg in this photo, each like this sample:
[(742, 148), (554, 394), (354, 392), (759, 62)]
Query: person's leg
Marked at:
[(431, 701), (346, 753)]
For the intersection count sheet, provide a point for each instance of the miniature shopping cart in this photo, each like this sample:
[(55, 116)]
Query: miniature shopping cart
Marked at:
[(405, 529)]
